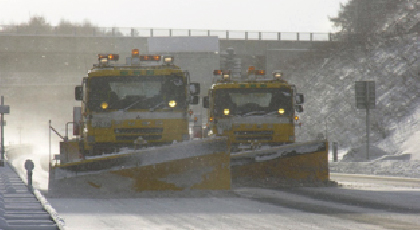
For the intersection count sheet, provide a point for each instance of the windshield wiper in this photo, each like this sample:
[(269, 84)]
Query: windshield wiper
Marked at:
[(136, 102), (255, 113), (157, 106)]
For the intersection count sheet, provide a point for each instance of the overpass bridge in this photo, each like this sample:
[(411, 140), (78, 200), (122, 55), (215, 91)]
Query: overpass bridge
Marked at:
[(33, 55)]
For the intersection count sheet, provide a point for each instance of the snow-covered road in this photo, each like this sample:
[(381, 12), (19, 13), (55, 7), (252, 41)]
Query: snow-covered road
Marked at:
[(363, 202), (191, 213)]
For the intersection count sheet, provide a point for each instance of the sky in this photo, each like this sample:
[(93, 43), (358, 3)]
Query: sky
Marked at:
[(256, 15)]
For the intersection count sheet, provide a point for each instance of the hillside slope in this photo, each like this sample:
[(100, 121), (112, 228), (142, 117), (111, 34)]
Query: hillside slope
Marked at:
[(391, 60)]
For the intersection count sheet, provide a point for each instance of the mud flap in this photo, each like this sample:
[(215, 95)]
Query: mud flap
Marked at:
[(194, 165), (291, 165)]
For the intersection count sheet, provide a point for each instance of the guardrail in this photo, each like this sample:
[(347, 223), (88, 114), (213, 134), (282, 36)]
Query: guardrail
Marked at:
[(22, 209), (87, 31)]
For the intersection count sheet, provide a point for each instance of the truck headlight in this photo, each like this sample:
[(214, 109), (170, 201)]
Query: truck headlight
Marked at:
[(172, 103), (226, 112), (104, 105)]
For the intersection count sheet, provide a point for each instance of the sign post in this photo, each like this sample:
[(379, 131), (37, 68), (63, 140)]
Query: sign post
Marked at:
[(365, 99), (4, 109)]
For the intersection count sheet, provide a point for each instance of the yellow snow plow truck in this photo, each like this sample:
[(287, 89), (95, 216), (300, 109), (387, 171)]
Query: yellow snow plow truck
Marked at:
[(258, 116), (132, 132)]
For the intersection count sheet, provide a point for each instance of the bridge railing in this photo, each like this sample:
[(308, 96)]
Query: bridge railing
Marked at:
[(89, 31)]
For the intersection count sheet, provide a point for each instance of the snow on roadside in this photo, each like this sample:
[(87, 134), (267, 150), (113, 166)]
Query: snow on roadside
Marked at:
[(412, 143), (396, 168), (406, 164)]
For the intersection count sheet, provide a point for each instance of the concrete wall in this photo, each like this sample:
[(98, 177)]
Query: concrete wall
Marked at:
[(276, 54)]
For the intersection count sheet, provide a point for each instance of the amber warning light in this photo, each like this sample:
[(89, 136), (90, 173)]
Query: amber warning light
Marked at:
[(113, 57), (251, 69), (135, 53), (217, 72), (260, 72)]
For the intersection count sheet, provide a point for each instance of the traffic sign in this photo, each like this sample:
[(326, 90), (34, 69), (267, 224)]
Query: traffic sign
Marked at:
[(4, 109), (365, 99), (365, 94)]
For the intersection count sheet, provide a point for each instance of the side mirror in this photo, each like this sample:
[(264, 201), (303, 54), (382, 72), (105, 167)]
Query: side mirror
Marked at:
[(195, 89), (78, 93), (299, 98), (206, 103), (194, 100), (299, 108)]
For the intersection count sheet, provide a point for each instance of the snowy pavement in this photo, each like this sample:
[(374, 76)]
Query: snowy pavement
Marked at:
[(361, 201), (346, 207), (191, 213)]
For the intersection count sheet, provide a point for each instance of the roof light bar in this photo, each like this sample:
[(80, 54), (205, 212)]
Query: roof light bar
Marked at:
[(150, 58), (145, 58), (104, 58)]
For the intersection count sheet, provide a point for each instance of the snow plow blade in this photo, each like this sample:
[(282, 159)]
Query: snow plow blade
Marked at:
[(289, 165), (194, 165)]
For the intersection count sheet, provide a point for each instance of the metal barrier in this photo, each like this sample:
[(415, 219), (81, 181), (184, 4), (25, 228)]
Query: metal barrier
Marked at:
[(88, 31), (20, 209)]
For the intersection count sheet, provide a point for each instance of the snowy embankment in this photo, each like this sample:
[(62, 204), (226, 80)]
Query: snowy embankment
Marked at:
[(392, 61), (404, 164)]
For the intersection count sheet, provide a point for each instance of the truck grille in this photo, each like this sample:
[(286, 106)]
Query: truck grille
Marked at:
[(146, 130), (253, 135), (134, 137), (242, 138), (267, 132)]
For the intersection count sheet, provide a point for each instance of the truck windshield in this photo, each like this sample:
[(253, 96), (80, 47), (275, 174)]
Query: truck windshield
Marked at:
[(136, 92), (253, 101)]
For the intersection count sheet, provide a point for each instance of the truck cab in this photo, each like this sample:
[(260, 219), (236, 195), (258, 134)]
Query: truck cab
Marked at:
[(255, 112)]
